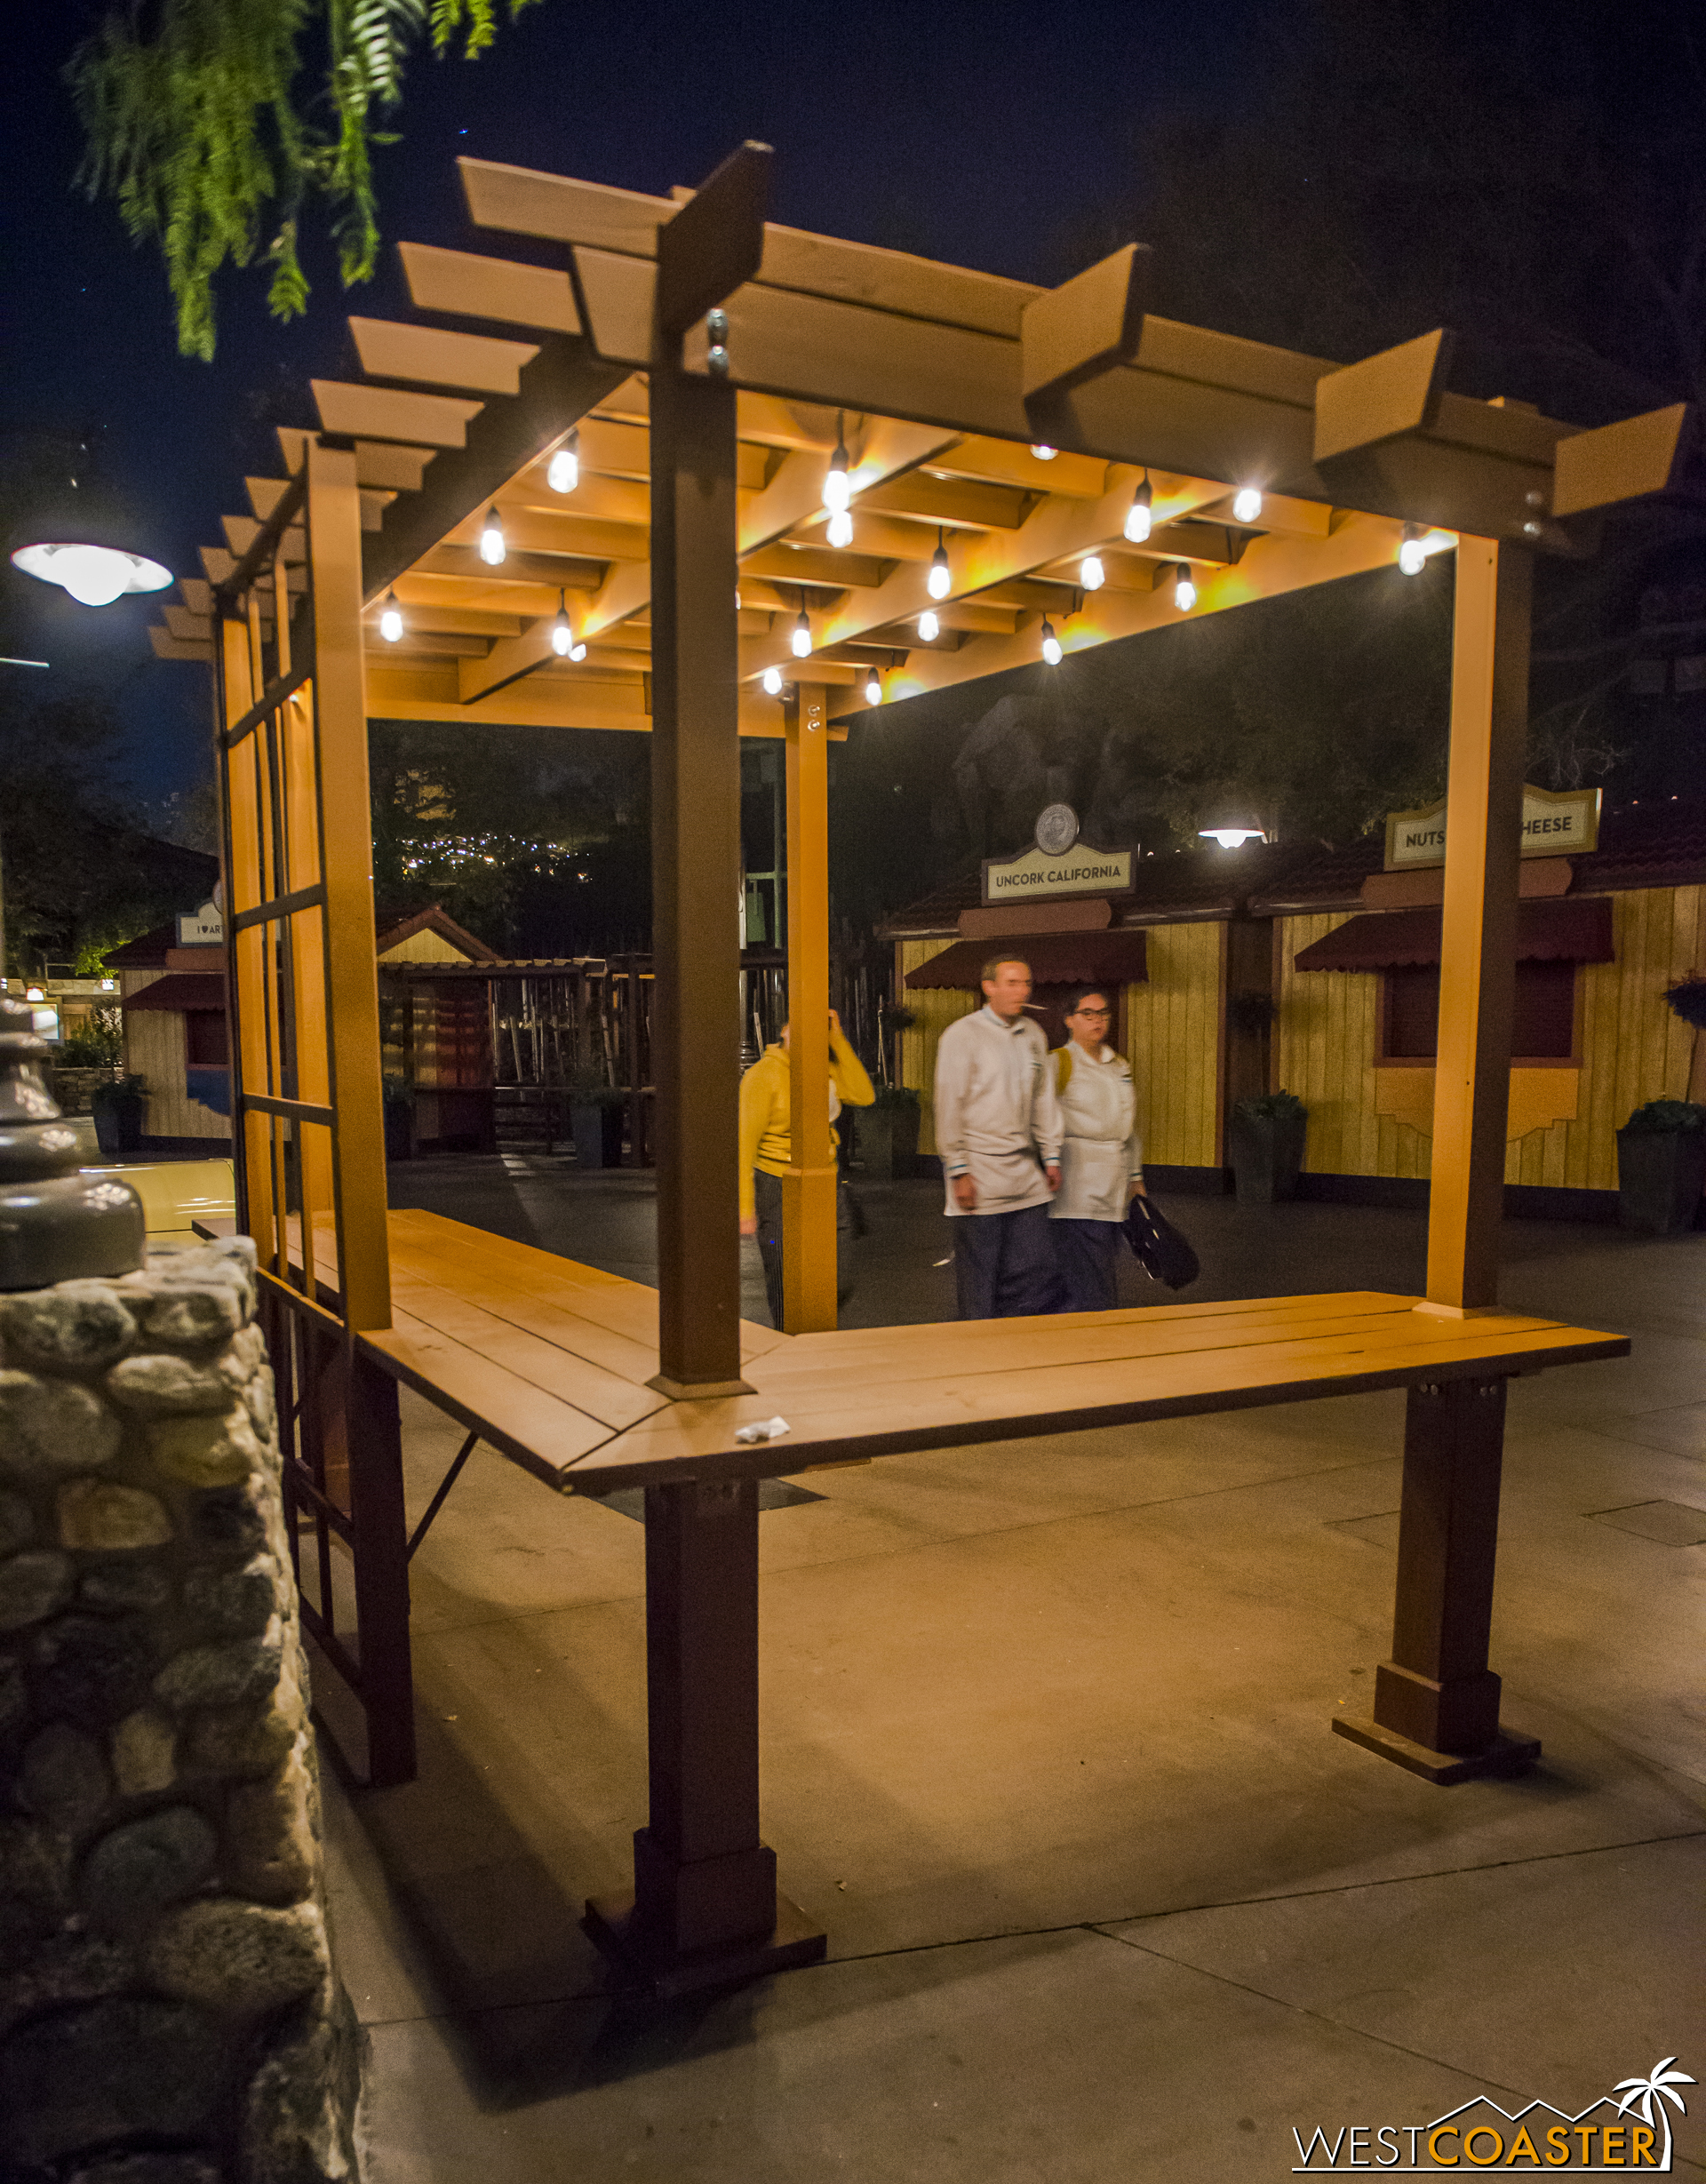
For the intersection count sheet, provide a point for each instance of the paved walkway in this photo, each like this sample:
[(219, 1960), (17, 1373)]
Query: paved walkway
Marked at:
[(1046, 1752)]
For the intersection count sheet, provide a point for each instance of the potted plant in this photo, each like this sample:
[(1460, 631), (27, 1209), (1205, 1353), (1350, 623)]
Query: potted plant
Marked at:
[(596, 1123), (888, 1134), (1267, 1147), (1662, 1166), (399, 1119), (119, 1107)]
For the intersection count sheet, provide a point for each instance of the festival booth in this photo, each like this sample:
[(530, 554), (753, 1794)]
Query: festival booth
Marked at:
[(712, 476)]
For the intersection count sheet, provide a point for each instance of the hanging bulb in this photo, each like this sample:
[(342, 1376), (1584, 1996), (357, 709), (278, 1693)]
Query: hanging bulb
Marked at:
[(1091, 574), (801, 638), (492, 548), (562, 637), (772, 682), (1138, 518), (736, 602), (838, 530), (939, 583), (1247, 504), (929, 628), (1050, 644), (1185, 592), (838, 488), (391, 619), (873, 689), (1043, 454), (562, 473), (1411, 554)]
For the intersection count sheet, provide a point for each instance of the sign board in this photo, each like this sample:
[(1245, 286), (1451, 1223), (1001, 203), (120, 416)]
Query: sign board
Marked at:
[(1554, 823), (202, 928), (1034, 876)]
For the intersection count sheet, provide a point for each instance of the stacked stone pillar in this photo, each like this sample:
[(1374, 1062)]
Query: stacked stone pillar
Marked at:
[(168, 2010)]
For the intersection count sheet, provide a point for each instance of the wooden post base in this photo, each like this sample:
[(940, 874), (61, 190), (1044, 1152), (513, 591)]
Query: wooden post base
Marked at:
[(632, 1947), (1506, 1754)]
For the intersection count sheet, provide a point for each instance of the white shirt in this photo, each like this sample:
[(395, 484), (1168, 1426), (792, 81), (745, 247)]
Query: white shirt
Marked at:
[(996, 1114), (1100, 1152)]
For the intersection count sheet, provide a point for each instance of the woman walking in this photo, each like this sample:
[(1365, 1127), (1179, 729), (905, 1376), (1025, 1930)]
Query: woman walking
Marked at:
[(766, 1149), (1101, 1159)]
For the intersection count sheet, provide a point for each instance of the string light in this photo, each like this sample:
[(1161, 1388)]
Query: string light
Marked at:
[(1185, 592), (1043, 454), (1411, 554), (873, 689), (929, 628), (940, 581), (492, 548), (838, 488), (1247, 504), (562, 637), (562, 473), (1139, 516), (391, 619), (1050, 644), (1091, 574), (838, 530), (801, 638), (772, 681)]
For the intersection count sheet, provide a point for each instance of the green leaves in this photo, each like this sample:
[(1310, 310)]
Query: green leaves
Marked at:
[(201, 132)]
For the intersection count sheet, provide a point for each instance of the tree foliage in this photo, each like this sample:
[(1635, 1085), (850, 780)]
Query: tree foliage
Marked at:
[(197, 122)]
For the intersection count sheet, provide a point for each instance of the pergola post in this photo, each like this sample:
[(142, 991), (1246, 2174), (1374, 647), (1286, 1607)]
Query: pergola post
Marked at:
[(809, 1239)]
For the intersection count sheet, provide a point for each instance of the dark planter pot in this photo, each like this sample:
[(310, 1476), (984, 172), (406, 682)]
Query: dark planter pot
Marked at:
[(399, 1130), (597, 1132), (1660, 1179), (118, 1125), (887, 1143), (1267, 1156)]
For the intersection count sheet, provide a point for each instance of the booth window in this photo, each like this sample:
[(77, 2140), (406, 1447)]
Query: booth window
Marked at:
[(205, 1044), (1544, 1028)]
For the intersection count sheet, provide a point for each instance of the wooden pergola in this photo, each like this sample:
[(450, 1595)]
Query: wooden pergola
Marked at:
[(650, 406)]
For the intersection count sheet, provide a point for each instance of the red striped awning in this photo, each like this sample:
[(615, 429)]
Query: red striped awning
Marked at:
[(1548, 931), (1056, 959)]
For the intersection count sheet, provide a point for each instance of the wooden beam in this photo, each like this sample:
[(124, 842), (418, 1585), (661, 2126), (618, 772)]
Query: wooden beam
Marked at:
[(390, 413), (714, 242), (382, 465), (562, 530), (835, 569), (1619, 462), (959, 503), (468, 286), (1396, 392), (168, 647), (809, 1238), (1085, 327), (390, 349), (552, 569)]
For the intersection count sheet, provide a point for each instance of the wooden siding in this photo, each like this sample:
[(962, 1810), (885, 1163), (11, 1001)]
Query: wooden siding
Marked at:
[(154, 1049), (934, 1009), (1632, 1049)]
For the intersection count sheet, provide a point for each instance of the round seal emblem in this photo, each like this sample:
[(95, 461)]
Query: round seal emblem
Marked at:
[(1057, 830)]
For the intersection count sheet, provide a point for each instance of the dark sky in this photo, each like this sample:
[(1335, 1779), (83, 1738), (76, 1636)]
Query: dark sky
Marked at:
[(979, 133)]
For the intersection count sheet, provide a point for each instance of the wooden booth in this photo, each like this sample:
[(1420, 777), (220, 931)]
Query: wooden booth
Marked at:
[(685, 470)]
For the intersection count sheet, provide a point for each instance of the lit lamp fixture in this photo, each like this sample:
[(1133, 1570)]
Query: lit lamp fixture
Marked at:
[(1185, 592), (492, 548), (1412, 554), (1050, 644), (1247, 504), (1232, 837), (929, 628), (391, 619), (939, 583), (838, 489), (1091, 574), (873, 689), (563, 473), (801, 639), (771, 681), (78, 537), (562, 638), (1139, 515), (1043, 454), (838, 530), (94, 574)]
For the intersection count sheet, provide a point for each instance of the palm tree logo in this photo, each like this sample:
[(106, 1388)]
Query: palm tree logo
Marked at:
[(1640, 2095)]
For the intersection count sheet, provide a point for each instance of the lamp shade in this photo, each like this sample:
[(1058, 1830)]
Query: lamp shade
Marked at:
[(75, 533)]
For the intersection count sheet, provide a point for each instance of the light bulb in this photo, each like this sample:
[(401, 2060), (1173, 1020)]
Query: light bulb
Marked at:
[(576, 651), (562, 638), (562, 473), (1139, 515), (1050, 644), (492, 548), (872, 688), (939, 583), (1247, 504), (1411, 554), (1043, 454), (94, 574), (929, 628), (1091, 574), (391, 619), (1185, 592), (801, 638), (838, 530), (838, 489), (772, 682)]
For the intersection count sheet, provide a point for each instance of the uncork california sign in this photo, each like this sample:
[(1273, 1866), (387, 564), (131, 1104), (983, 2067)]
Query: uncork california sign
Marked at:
[(1554, 823), (1057, 866)]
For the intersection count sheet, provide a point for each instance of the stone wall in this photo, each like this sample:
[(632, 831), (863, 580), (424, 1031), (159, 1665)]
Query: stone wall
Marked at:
[(168, 2010)]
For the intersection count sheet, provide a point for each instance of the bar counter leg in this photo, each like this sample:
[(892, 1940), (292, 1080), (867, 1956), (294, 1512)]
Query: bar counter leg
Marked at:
[(1436, 1701), (705, 1911), (380, 1544)]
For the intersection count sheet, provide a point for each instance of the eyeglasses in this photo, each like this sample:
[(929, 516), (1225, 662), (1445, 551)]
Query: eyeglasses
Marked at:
[(1092, 1012)]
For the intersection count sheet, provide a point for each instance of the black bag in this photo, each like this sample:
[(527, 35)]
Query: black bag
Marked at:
[(1164, 1255)]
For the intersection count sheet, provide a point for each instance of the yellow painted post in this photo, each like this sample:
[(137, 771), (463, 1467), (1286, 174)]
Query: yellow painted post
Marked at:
[(246, 962), (334, 529), (1489, 717), (809, 1184)]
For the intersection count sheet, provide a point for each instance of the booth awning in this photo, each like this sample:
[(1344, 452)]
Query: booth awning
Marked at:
[(1548, 931), (181, 989), (1056, 960)]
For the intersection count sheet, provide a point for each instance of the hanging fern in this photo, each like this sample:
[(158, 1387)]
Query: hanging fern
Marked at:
[(195, 125)]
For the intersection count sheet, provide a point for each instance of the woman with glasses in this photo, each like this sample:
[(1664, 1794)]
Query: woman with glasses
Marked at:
[(1101, 1159)]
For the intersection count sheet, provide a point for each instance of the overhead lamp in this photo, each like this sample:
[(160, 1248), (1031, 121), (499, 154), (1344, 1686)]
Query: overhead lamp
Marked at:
[(838, 530), (1185, 592), (939, 583), (929, 628), (1091, 574), (873, 689), (838, 488), (562, 638), (492, 548), (1231, 837), (1412, 554), (771, 680), (1247, 504), (1043, 454), (801, 639), (77, 534), (1139, 515), (391, 619), (1050, 644), (94, 574), (562, 473)]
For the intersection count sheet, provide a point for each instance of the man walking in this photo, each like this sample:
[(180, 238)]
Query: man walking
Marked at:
[(998, 1131)]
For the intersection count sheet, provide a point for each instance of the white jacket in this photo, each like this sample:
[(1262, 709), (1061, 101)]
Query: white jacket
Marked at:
[(1101, 1152), (996, 1114)]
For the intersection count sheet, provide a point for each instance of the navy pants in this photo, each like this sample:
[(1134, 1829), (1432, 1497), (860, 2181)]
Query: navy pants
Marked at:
[(1004, 1263), (1086, 1259), (767, 1203)]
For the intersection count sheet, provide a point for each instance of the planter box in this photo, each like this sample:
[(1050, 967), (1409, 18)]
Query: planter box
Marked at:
[(1660, 1179), (597, 1132), (399, 1130), (887, 1139), (1267, 1155), (119, 1126)]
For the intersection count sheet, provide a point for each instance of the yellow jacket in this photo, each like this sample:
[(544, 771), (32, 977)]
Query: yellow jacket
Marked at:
[(764, 1091)]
